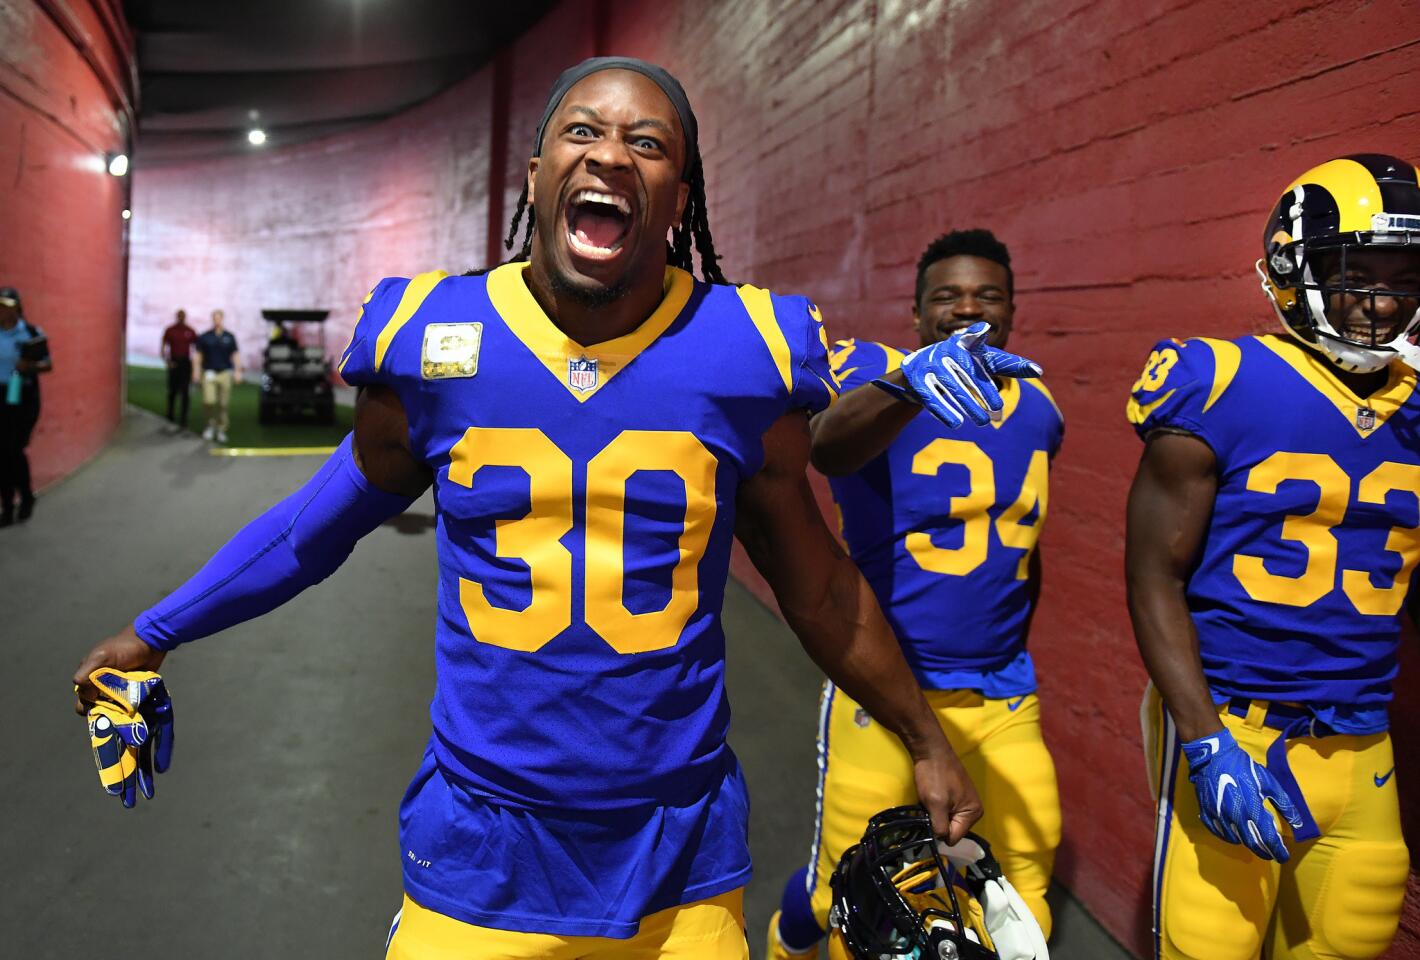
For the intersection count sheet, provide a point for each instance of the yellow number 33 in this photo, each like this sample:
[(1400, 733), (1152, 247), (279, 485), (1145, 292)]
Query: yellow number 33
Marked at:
[(1156, 370)]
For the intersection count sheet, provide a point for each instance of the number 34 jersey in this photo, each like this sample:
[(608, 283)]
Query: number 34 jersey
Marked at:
[(943, 525), (1308, 557)]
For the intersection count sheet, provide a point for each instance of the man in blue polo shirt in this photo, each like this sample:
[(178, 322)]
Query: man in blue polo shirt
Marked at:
[(221, 367)]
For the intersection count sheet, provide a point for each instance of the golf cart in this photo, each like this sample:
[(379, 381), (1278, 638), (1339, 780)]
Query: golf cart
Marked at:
[(295, 374)]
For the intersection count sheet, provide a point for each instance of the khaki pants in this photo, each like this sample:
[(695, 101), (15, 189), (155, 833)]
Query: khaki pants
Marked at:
[(217, 396)]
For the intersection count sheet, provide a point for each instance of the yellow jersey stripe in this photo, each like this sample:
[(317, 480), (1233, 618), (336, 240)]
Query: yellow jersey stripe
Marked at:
[(761, 312), (345, 354), (1226, 357), (1138, 413), (1045, 392), (414, 295)]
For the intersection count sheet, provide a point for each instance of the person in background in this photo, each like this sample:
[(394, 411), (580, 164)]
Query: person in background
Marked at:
[(177, 354), (221, 367), (24, 355), (281, 336)]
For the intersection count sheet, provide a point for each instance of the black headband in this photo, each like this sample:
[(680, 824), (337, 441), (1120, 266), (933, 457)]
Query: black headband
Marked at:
[(669, 85)]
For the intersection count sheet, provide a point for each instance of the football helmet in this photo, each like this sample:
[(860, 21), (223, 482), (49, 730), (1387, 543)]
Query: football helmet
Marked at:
[(901, 892), (1357, 204)]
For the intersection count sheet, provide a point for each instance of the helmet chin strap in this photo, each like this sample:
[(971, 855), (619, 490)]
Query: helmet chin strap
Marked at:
[(1350, 357)]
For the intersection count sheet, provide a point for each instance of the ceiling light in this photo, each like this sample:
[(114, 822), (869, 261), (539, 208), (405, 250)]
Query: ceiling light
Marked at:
[(127, 214), (118, 164), (256, 137)]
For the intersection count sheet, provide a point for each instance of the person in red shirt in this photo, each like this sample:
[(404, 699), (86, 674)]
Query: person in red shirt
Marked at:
[(177, 354)]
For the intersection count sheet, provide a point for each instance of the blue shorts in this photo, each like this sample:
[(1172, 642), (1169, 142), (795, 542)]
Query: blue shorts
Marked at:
[(569, 872)]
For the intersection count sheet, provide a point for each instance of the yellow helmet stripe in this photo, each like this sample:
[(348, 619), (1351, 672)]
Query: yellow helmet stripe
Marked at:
[(1345, 180)]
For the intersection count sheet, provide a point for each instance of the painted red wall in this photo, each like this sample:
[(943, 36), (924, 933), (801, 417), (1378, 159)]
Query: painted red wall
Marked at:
[(65, 102), (1126, 151)]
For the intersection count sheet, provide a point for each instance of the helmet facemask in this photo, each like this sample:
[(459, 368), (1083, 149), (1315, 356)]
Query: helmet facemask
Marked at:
[(1330, 302), (901, 893)]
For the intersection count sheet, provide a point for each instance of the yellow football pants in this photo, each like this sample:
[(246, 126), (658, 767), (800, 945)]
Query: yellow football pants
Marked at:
[(1337, 898), (711, 929), (863, 769)]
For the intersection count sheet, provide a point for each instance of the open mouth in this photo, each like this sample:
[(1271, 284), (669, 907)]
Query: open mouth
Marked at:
[(597, 223)]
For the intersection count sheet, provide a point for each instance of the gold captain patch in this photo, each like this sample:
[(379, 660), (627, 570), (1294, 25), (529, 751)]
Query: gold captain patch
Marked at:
[(451, 350)]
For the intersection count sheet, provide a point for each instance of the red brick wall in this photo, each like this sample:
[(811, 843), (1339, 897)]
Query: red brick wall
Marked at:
[(65, 87), (1126, 151)]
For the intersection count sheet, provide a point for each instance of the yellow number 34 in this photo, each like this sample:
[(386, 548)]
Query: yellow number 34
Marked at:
[(536, 538)]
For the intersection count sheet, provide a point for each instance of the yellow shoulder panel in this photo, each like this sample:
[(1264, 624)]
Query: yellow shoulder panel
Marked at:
[(414, 295), (1226, 357), (761, 311)]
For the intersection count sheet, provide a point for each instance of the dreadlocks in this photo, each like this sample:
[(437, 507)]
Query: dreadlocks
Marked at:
[(694, 229)]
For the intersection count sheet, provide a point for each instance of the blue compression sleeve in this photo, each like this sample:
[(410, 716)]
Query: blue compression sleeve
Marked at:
[(294, 545)]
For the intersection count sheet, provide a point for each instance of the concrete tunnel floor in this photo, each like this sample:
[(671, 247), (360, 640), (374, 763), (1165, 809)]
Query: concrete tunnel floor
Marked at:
[(274, 834)]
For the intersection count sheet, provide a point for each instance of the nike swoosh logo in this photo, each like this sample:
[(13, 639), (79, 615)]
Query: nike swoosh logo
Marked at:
[(1224, 782), (1381, 780), (1011, 705)]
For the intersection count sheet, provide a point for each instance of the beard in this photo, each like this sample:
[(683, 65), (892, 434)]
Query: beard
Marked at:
[(591, 297)]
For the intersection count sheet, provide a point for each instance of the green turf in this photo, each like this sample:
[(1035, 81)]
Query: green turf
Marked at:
[(148, 388)]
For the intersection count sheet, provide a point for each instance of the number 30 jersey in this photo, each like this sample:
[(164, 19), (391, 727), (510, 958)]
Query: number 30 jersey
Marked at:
[(1309, 553), (943, 525), (585, 500)]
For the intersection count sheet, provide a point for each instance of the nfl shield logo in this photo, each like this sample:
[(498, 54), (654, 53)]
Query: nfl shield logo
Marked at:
[(582, 374), (1365, 418), (861, 718)]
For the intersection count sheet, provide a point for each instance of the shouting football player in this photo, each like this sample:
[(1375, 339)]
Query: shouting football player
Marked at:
[(1272, 536), (598, 425), (939, 516)]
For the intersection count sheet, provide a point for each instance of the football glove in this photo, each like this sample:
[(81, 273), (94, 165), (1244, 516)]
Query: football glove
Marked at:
[(952, 377), (131, 731), (1233, 790)]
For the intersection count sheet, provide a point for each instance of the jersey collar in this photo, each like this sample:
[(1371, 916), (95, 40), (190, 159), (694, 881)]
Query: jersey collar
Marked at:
[(582, 370), (1384, 402)]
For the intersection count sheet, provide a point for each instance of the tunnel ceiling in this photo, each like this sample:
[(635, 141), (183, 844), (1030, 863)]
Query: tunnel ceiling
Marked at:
[(211, 71)]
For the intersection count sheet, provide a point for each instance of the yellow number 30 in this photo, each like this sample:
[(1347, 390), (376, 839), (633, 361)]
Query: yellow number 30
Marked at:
[(536, 538), (1314, 532)]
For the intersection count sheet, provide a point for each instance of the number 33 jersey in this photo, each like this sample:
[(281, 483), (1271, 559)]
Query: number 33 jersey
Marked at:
[(943, 525), (1308, 557), (585, 511)]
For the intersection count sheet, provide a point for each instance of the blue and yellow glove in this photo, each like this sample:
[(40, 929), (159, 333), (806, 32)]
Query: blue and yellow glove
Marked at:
[(952, 377), (131, 731), (1233, 790)]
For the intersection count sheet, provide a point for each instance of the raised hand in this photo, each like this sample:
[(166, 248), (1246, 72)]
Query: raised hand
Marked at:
[(952, 377)]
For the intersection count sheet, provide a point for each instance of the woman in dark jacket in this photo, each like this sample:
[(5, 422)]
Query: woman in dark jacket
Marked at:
[(24, 355)]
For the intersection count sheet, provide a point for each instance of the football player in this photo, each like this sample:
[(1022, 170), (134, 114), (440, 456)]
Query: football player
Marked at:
[(598, 425), (943, 522), (1272, 538)]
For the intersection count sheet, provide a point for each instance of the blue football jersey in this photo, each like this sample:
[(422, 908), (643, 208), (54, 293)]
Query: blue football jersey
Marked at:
[(585, 511), (1301, 580), (943, 524)]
